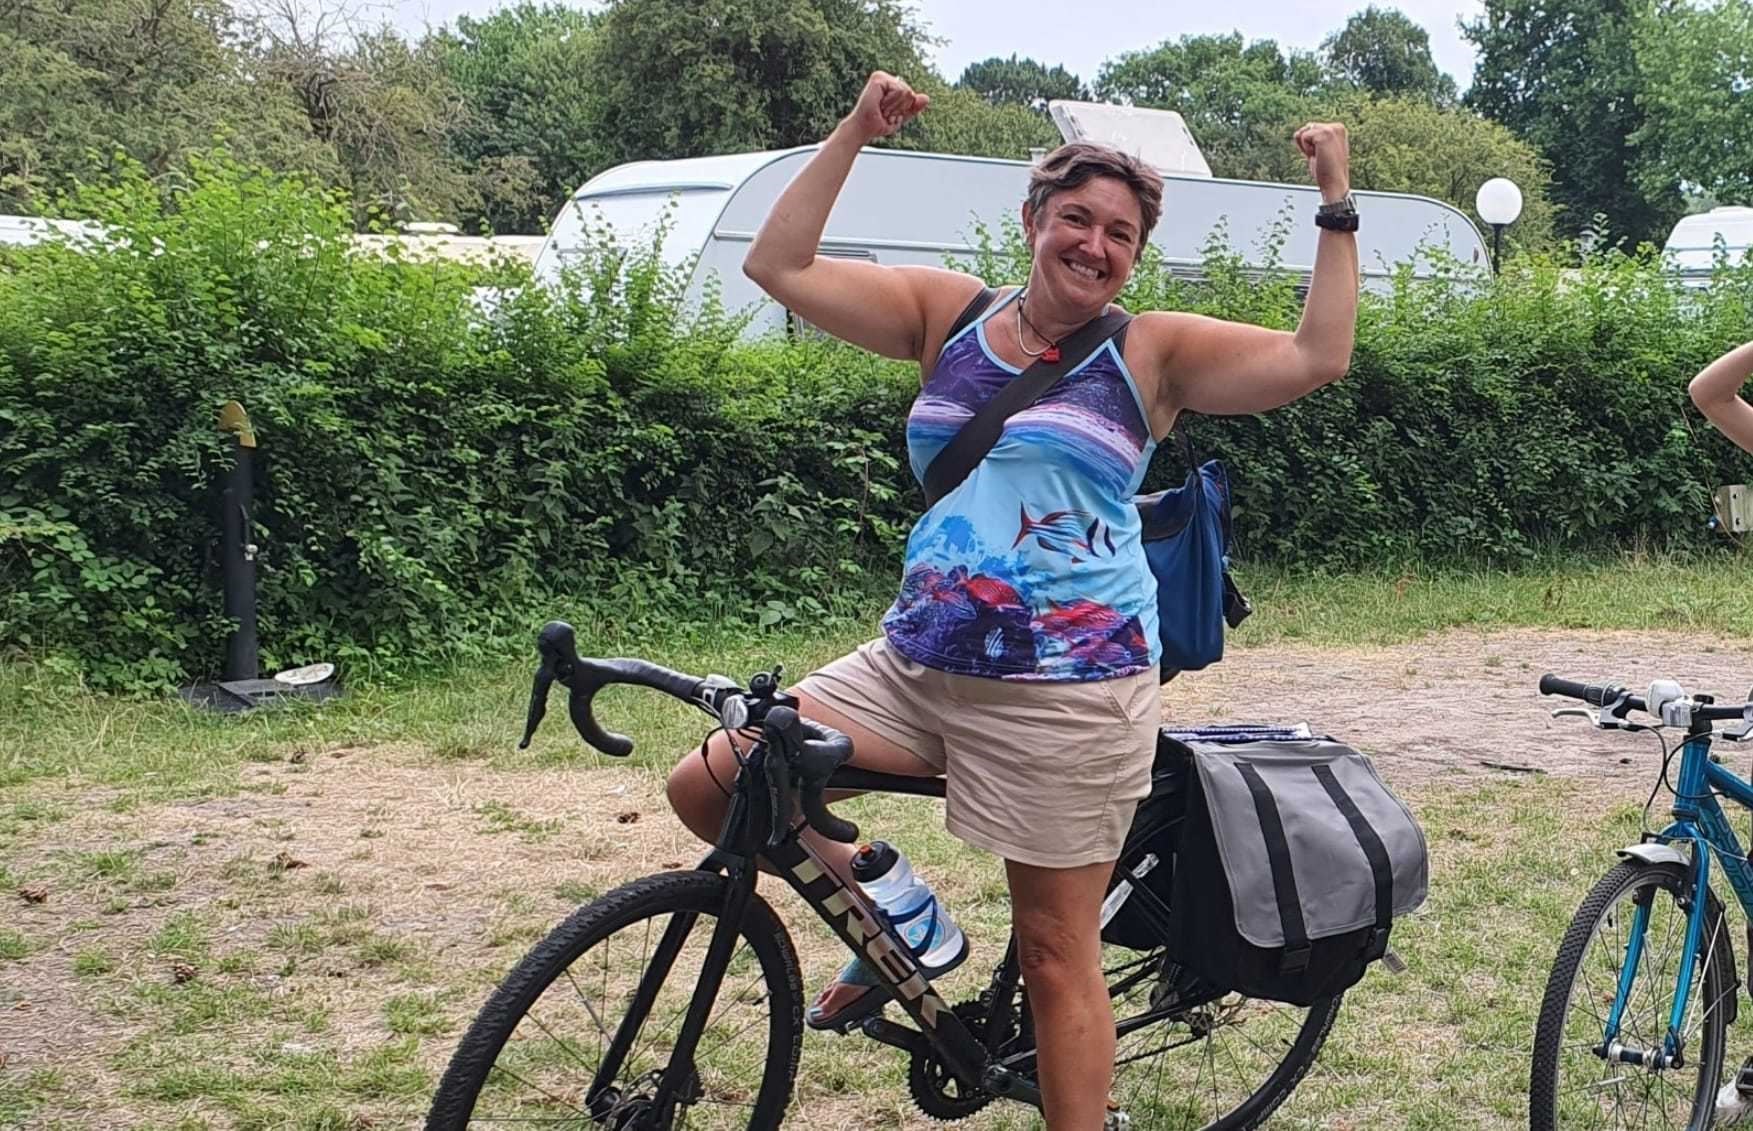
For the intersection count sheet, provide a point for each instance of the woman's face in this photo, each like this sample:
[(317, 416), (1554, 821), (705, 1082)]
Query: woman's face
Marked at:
[(1085, 242)]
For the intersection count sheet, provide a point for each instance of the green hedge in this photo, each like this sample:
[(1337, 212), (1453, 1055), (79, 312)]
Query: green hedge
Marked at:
[(430, 482)]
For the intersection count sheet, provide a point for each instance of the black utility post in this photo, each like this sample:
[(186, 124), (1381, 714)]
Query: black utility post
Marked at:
[(237, 552), (240, 688)]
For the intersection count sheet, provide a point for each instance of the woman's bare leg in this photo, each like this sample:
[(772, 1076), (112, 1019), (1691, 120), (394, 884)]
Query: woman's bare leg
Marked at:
[(701, 803), (1055, 913)]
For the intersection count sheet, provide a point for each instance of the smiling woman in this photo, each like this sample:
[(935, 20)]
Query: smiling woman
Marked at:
[(1020, 658)]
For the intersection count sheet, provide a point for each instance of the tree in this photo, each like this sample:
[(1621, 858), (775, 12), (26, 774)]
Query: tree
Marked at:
[(1381, 51), (1408, 145), (386, 112), (521, 72), (1562, 74), (676, 78), (1236, 98), (1695, 66), (1020, 82), (961, 121), (151, 79)]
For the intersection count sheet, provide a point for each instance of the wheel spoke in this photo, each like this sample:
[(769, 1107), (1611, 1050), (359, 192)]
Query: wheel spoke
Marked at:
[(527, 1058), (1193, 1067), (1576, 1086)]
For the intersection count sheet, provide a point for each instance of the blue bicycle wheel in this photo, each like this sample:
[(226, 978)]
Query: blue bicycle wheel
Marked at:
[(1587, 1076)]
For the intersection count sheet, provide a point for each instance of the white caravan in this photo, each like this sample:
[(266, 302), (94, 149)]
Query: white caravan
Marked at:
[(25, 231), (417, 242), (922, 208), (1690, 253)]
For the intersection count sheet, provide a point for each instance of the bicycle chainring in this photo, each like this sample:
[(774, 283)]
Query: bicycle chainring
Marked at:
[(936, 1091)]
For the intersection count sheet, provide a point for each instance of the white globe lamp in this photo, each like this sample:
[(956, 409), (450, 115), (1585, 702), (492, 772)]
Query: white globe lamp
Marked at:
[(1499, 202)]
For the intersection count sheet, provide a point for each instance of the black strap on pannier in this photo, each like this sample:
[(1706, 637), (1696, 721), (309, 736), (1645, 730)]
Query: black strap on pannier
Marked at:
[(1290, 908), (1374, 850)]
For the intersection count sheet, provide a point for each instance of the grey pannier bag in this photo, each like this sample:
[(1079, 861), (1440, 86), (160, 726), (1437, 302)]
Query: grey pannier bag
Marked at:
[(1290, 864)]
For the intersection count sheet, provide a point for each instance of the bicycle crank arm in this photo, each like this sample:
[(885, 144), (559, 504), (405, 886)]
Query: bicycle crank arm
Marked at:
[(1003, 1082), (904, 1037)]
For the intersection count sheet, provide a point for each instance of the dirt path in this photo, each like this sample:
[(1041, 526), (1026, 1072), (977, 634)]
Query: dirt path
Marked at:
[(1442, 707)]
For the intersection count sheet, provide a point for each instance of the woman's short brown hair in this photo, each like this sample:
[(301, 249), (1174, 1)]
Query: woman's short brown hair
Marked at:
[(1077, 162)]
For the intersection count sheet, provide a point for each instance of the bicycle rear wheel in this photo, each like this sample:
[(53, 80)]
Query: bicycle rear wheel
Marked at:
[(532, 1053), (1218, 1063), (1573, 1084)]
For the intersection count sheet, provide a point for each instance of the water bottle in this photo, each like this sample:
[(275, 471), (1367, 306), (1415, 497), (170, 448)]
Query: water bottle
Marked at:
[(911, 908)]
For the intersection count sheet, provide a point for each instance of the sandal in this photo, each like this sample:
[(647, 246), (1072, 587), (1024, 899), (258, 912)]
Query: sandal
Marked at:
[(856, 1007)]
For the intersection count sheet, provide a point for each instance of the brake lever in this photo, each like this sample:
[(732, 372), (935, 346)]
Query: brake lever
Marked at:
[(1597, 719), (538, 703), (778, 793), (557, 645), (1739, 734)]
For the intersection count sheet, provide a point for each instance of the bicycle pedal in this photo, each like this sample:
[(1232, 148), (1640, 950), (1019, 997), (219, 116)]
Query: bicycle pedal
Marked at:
[(868, 1024), (1393, 962)]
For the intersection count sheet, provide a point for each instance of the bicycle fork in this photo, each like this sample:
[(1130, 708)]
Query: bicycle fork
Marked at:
[(679, 1081), (1672, 1053)]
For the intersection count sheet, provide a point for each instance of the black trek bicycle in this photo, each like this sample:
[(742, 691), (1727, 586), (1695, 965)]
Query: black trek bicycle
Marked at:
[(676, 1001)]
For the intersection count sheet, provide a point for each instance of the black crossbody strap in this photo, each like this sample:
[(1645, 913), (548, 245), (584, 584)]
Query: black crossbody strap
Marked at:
[(975, 308), (969, 446)]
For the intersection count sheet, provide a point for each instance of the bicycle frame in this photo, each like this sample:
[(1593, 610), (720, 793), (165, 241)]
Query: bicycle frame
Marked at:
[(761, 829), (743, 844), (1700, 823)]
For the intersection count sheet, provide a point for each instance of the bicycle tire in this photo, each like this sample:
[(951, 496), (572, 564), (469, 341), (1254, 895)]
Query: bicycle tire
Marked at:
[(1714, 995), (642, 901)]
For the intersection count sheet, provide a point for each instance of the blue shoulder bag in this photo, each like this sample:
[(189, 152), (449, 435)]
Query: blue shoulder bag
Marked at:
[(1187, 542), (1186, 528)]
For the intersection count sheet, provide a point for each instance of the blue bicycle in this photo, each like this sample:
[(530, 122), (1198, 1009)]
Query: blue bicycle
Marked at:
[(1643, 990)]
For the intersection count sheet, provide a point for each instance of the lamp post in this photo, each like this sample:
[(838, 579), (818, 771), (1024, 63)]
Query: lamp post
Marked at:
[(1499, 202)]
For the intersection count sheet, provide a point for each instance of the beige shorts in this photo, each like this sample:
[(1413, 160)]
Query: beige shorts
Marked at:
[(1043, 773)]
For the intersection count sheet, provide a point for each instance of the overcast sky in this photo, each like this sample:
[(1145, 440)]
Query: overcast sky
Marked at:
[(1080, 34)]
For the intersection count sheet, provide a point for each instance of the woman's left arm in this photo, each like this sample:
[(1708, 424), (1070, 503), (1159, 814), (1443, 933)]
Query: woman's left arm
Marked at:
[(1212, 366), (1716, 391)]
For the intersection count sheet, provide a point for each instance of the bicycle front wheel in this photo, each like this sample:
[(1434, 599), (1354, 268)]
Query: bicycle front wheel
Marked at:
[(1221, 1063), (533, 1052), (1584, 1077)]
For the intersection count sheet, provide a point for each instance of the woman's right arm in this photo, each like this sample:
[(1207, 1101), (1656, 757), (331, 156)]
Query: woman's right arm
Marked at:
[(1716, 391), (883, 309)]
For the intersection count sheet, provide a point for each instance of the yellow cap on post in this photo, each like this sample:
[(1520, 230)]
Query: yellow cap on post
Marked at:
[(232, 418)]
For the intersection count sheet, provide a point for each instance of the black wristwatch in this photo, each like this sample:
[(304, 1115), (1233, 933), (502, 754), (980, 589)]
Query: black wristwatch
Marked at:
[(1340, 216)]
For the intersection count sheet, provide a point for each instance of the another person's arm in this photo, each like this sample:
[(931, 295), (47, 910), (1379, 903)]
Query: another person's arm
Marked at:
[(1717, 393), (883, 309), (1214, 366)]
